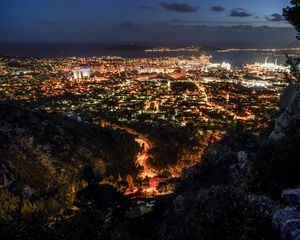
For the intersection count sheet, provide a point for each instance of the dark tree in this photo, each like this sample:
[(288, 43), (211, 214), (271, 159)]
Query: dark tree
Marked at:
[(292, 15)]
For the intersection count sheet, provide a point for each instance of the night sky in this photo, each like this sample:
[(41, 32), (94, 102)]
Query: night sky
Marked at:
[(241, 23)]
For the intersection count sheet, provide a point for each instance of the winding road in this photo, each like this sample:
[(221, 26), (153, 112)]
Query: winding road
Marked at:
[(143, 158), (145, 146)]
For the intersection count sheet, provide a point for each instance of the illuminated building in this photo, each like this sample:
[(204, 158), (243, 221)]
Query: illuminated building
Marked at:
[(81, 72), (267, 67), (224, 65), (169, 86)]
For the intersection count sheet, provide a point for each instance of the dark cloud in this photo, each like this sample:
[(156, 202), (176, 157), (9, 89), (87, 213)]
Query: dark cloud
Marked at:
[(248, 28), (275, 17), (217, 9), (193, 26), (146, 7), (239, 12), (175, 22), (180, 7)]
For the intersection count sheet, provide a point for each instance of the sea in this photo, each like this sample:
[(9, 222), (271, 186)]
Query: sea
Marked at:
[(28, 49)]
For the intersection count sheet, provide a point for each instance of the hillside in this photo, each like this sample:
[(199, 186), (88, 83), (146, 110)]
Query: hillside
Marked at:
[(45, 151)]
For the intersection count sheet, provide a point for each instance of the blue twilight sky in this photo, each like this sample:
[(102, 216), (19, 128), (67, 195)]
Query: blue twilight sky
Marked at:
[(209, 22)]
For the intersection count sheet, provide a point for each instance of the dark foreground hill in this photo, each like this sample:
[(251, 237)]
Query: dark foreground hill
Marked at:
[(42, 151)]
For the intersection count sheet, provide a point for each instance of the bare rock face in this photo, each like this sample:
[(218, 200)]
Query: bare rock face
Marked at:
[(287, 223), (243, 159), (287, 220), (290, 106)]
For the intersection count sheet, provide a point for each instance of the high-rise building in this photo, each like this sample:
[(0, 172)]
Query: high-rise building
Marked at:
[(81, 72), (86, 72)]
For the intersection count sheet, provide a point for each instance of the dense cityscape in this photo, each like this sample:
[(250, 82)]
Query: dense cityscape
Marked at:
[(149, 98)]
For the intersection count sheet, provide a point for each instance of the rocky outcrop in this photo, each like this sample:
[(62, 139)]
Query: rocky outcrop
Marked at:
[(287, 220), (290, 108), (287, 223)]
